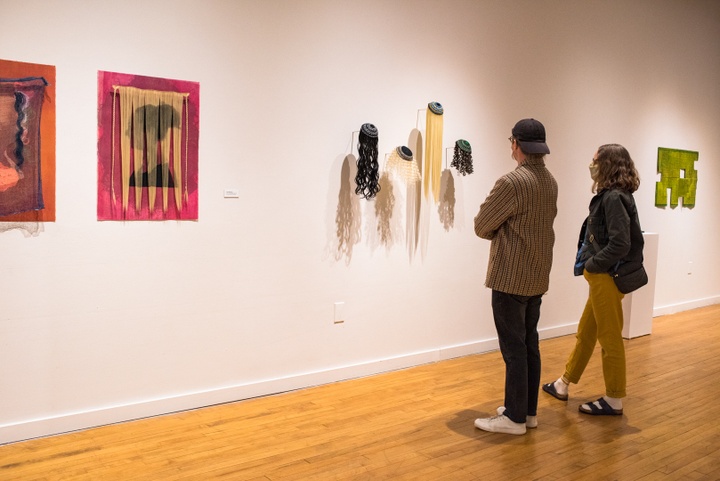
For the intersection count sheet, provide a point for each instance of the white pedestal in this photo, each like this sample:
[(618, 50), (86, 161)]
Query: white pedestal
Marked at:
[(638, 305)]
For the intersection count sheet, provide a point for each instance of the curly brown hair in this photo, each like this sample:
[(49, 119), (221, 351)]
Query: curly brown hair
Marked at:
[(616, 169)]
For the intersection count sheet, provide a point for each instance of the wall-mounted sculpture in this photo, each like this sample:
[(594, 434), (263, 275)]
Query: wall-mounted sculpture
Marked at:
[(366, 179), (677, 175), (147, 148), (432, 163), (462, 157), (27, 142)]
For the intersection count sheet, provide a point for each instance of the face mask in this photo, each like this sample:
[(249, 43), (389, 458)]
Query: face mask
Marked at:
[(593, 170)]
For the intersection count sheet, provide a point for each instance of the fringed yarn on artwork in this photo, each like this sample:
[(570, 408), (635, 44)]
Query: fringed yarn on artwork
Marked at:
[(151, 138)]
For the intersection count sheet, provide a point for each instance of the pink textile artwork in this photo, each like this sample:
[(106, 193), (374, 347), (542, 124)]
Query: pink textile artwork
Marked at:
[(21, 103), (147, 148)]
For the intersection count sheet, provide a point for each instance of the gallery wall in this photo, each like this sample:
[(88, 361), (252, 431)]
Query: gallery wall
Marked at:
[(107, 321)]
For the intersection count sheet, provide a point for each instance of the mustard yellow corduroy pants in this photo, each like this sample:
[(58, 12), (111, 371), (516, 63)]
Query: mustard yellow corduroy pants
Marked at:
[(601, 321)]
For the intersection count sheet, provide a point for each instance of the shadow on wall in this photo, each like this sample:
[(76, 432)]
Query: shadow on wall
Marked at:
[(29, 229), (418, 220), (446, 207), (386, 229), (347, 214)]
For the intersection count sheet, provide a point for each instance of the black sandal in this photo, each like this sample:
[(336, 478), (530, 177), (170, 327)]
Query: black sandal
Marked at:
[(550, 389), (604, 410)]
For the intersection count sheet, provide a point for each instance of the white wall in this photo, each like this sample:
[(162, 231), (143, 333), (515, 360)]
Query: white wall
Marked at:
[(106, 321)]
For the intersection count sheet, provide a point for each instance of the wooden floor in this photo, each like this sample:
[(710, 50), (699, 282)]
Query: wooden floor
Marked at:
[(417, 424)]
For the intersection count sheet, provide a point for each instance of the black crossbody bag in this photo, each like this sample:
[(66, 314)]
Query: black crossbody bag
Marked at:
[(628, 276)]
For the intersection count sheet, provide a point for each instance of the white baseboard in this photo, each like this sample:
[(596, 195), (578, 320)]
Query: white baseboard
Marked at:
[(182, 402), (557, 331), (75, 421), (685, 306)]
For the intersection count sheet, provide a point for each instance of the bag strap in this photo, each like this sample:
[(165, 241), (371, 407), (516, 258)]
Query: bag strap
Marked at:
[(601, 212)]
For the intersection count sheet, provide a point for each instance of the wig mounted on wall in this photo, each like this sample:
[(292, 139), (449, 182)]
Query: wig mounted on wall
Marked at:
[(367, 176), (432, 166), (402, 166), (462, 157)]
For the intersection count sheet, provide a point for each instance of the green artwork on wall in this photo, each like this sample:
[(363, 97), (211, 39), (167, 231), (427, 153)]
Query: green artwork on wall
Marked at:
[(677, 174)]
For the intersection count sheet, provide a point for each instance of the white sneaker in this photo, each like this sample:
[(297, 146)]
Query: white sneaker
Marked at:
[(530, 421), (500, 424)]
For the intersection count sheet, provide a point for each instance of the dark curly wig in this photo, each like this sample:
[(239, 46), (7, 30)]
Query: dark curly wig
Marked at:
[(367, 163), (462, 158)]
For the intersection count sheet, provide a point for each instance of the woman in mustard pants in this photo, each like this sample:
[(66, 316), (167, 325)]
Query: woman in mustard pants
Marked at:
[(610, 242)]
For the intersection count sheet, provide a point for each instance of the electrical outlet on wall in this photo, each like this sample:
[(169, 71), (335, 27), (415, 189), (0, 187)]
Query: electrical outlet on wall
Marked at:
[(338, 314)]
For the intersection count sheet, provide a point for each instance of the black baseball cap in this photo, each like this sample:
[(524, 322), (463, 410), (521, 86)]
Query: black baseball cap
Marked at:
[(530, 134)]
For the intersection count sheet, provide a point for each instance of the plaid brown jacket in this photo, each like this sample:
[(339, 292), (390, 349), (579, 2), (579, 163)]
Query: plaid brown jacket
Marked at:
[(517, 217)]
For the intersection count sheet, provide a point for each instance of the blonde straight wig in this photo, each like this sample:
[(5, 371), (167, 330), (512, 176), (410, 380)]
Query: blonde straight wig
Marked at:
[(432, 165)]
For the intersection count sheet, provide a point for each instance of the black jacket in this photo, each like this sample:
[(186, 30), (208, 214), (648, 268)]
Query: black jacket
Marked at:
[(610, 239)]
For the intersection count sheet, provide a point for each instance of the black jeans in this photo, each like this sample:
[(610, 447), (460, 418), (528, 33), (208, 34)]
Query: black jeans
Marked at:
[(516, 320)]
